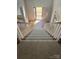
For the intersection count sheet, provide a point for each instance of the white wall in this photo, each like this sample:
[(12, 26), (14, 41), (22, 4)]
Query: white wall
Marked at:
[(20, 3), (56, 11), (47, 4), (56, 8)]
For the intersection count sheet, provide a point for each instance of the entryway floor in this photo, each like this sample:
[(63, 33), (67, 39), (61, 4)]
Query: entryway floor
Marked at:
[(38, 46)]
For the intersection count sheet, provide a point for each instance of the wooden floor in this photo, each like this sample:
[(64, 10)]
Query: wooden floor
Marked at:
[(38, 47)]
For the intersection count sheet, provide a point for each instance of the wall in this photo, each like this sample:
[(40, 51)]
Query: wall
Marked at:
[(56, 16), (47, 4), (56, 10), (20, 3)]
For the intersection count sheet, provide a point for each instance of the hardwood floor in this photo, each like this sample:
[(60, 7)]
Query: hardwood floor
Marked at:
[(39, 49), (38, 45)]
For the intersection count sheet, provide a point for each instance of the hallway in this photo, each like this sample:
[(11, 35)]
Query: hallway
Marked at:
[(38, 45), (38, 32), (40, 40)]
